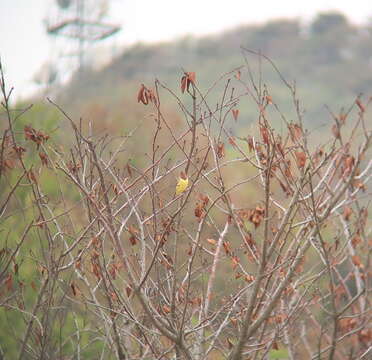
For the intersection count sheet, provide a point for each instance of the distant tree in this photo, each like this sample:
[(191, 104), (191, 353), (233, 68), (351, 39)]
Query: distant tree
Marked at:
[(277, 35), (326, 22)]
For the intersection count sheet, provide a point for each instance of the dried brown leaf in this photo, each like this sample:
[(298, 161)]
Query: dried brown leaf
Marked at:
[(300, 158), (212, 241), (235, 113)]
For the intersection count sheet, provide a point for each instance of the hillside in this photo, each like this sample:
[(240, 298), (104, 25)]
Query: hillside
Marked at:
[(329, 59)]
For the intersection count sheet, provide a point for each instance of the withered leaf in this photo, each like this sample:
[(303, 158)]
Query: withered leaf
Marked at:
[(74, 288), (227, 247), (232, 141), (347, 213), (269, 99), (9, 282), (235, 113), (145, 95), (212, 241), (356, 240), (183, 83), (356, 261), (235, 261), (191, 76), (44, 158), (140, 93), (300, 158), (187, 79), (250, 143), (336, 131), (295, 131), (220, 150), (264, 134)]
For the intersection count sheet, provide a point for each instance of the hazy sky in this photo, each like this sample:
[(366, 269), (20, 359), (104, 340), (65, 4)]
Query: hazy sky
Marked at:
[(24, 46)]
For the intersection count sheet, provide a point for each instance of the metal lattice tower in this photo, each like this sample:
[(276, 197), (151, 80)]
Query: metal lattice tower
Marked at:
[(82, 21)]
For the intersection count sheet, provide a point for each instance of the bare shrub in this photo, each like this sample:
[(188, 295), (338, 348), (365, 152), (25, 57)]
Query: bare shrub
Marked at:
[(265, 251)]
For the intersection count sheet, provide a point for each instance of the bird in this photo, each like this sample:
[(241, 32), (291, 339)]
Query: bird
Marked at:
[(182, 183)]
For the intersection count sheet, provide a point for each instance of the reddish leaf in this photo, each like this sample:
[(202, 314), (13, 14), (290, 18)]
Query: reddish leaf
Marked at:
[(143, 95), (342, 118), (347, 324), (232, 141), (183, 83), (37, 137), (113, 296), (295, 132), (73, 288), (365, 336), (191, 76), (73, 167), (186, 80), (31, 176), (359, 185), (356, 240), (19, 150), (212, 241), (235, 261), (44, 158), (347, 213), (140, 93), (256, 216), (349, 164), (133, 234), (9, 282), (269, 99), (227, 247), (248, 239), (264, 134), (250, 143), (220, 150), (336, 131), (128, 167), (300, 158), (235, 113), (356, 261)]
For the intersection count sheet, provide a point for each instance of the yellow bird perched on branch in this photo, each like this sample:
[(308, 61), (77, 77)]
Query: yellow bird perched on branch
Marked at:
[(182, 184)]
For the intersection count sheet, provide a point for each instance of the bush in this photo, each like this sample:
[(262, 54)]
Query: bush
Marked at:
[(264, 254)]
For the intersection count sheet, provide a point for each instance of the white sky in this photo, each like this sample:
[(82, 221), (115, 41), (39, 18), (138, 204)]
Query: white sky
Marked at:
[(24, 46)]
